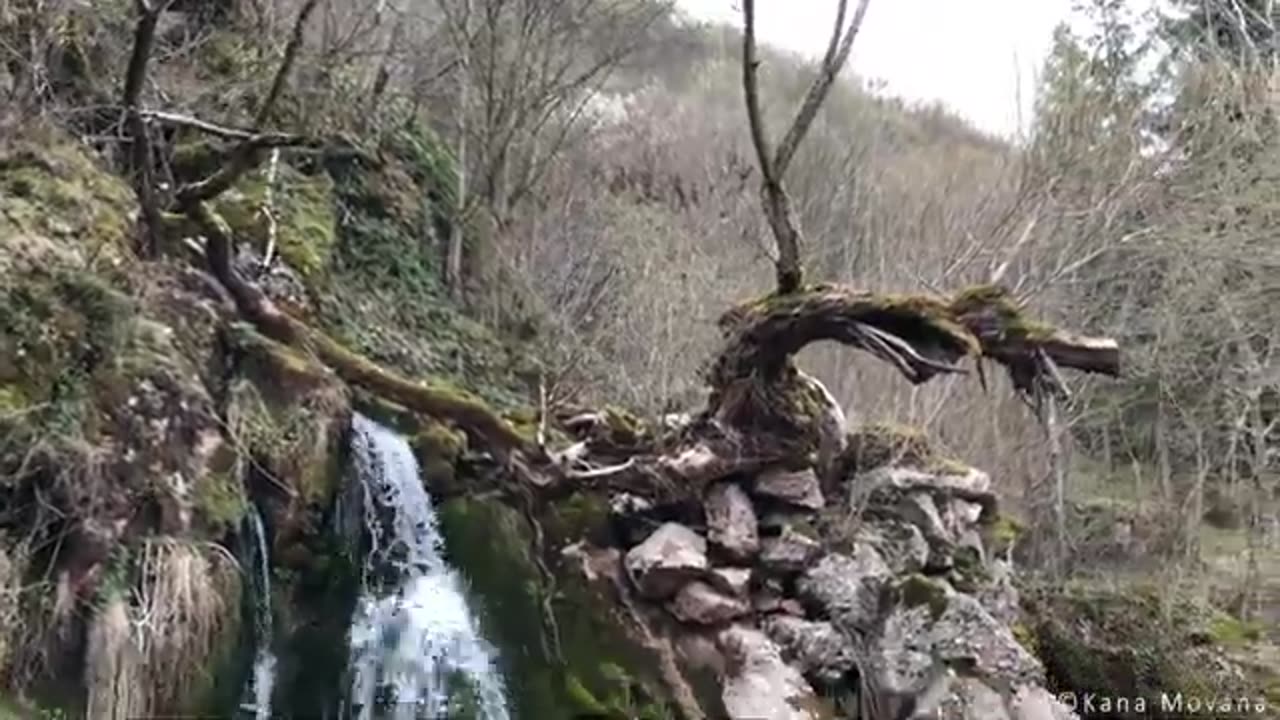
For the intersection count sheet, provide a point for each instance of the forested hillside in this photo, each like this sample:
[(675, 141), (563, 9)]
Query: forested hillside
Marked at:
[(696, 347)]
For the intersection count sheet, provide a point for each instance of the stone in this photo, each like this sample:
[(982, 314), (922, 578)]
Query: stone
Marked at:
[(760, 684), (698, 651), (701, 604), (847, 587), (790, 552), (774, 521), (800, 489), (668, 559), (731, 521), (951, 628), (735, 581), (971, 699), (901, 544), (816, 648), (768, 596), (885, 486), (791, 606), (1032, 702), (999, 595), (967, 634)]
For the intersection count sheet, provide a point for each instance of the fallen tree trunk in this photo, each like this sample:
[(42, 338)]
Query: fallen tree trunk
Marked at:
[(469, 413)]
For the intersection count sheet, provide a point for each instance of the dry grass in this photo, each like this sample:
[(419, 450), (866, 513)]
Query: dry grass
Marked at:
[(186, 603), (114, 665)]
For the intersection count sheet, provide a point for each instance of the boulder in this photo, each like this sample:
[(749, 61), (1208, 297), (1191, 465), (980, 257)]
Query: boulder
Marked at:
[(933, 624), (774, 521), (668, 559), (790, 552), (1032, 702), (701, 604), (731, 521), (847, 587), (800, 488), (971, 699), (816, 648), (760, 684), (735, 581), (967, 634), (885, 486), (901, 544)]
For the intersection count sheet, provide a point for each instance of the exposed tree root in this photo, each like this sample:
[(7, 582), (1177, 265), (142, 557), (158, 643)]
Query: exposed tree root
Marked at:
[(469, 413)]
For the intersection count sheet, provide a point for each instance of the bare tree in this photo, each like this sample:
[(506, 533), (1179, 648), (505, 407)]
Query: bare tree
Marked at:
[(526, 71), (773, 165)]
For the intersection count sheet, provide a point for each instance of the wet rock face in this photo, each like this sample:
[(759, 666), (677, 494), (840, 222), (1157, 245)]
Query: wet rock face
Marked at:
[(668, 559)]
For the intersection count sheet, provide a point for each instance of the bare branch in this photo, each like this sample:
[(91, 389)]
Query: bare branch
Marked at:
[(832, 63), (782, 218), (751, 88), (243, 158), (286, 64), (141, 160)]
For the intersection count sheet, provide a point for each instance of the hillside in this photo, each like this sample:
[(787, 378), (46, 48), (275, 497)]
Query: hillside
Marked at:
[(351, 361)]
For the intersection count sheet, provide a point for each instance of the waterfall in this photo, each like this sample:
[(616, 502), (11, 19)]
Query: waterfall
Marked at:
[(257, 693), (416, 650)]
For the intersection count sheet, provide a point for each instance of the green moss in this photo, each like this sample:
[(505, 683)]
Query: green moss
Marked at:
[(998, 303), (12, 398), (624, 427), (196, 159), (584, 703), (583, 515), (303, 209), (55, 200), (883, 443), (968, 571), (219, 498), (1003, 533), (1228, 630), (438, 447), (491, 544), (916, 590), (1026, 637), (314, 605), (1133, 641)]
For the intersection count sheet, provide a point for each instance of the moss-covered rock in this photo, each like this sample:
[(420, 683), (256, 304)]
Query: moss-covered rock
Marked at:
[(289, 416), (58, 206), (438, 447), (301, 208), (1140, 641), (879, 444), (582, 663)]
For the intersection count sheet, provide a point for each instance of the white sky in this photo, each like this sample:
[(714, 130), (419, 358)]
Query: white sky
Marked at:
[(973, 55)]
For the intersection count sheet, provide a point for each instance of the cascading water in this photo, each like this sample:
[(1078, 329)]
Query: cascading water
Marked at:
[(416, 651), (257, 693)]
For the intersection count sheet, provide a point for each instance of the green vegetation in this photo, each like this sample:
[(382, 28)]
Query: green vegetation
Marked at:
[(597, 667), (916, 590), (301, 209), (1137, 641), (882, 443)]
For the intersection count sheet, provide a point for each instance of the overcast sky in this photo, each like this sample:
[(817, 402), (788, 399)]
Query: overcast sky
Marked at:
[(973, 55)]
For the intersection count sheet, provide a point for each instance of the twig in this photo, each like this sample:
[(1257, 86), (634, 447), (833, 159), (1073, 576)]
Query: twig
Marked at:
[(268, 208), (286, 64), (998, 274)]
